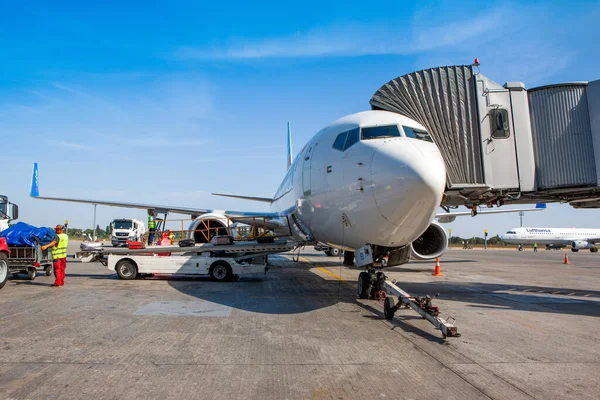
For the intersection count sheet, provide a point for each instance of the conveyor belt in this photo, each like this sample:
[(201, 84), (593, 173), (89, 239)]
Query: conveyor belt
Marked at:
[(242, 247)]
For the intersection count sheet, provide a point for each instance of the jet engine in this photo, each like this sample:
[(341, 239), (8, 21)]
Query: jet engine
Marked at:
[(583, 244), (203, 228), (431, 244)]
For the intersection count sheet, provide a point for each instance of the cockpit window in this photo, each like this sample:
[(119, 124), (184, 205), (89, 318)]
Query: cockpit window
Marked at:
[(417, 134), (353, 137), (340, 140), (380, 132), (346, 139), (511, 233)]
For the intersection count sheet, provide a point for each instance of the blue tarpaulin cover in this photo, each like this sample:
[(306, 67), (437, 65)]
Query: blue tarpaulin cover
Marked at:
[(22, 234)]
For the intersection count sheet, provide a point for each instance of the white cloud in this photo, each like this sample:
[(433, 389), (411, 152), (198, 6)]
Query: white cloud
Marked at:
[(374, 38), (530, 39), (68, 145)]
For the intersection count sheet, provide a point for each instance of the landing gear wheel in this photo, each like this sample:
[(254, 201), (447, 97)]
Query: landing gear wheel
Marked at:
[(364, 285), (48, 271), (3, 269), (328, 253), (127, 269), (333, 252), (574, 250), (31, 273), (220, 271), (594, 249), (389, 307)]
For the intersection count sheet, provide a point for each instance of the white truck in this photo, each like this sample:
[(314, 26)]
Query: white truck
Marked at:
[(126, 229), (8, 212)]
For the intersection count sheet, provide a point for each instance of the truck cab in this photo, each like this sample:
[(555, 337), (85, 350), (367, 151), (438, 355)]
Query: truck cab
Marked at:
[(126, 229), (8, 212)]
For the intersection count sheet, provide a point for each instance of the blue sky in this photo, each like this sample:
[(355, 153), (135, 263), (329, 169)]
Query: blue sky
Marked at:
[(168, 102)]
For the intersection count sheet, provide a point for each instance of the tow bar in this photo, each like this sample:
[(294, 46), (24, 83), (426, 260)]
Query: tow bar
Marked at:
[(384, 289)]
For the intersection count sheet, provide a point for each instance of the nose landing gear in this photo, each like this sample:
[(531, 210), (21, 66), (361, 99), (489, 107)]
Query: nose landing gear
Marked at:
[(370, 285)]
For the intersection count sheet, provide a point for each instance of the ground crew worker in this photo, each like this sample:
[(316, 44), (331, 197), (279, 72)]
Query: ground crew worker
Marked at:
[(59, 255), (535, 247), (171, 236), (151, 228)]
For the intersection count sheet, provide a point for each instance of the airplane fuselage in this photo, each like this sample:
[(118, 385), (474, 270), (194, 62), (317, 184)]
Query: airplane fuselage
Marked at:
[(550, 236), (363, 180)]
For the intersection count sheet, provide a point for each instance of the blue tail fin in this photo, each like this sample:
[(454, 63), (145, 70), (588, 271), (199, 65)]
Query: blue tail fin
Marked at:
[(35, 185), (540, 205), (289, 145)]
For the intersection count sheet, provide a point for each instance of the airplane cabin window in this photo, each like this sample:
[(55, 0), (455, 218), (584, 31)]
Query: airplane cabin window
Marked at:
[(380, 132), (353, 137), (340, 141), (417, 134)]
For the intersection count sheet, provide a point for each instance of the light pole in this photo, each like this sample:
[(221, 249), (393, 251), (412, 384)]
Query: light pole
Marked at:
[(94, 238), (485, 233), (521, 215)]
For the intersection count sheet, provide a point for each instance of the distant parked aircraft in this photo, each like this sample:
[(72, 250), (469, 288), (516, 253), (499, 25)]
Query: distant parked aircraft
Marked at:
[(555, 237)]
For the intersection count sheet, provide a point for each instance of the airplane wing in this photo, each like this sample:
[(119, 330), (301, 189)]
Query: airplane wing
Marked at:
[(593, 240), (451, 216), (155, 208)]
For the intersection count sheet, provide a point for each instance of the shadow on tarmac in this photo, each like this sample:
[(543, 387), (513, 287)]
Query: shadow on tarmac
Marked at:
[(292, 288)]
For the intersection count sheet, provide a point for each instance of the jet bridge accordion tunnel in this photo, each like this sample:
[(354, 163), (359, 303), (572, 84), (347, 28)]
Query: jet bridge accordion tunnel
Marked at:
[(505, 143)]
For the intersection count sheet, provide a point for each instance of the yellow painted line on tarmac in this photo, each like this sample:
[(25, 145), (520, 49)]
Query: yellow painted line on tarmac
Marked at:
[(326, 271), (336, 276)]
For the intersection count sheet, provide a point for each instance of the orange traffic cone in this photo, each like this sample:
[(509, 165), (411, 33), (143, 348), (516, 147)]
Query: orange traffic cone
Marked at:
[(437, 271), (566, 259)]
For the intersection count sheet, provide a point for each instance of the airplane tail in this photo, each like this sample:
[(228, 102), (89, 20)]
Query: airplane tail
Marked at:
[(35, 184), (289, 145)]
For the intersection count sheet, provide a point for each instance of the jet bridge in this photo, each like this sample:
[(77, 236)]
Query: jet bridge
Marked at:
[(505, 143)]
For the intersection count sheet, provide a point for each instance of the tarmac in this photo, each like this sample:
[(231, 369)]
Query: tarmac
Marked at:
[(529, 326)]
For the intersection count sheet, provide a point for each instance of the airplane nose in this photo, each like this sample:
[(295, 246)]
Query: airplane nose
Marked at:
[(409, 179)]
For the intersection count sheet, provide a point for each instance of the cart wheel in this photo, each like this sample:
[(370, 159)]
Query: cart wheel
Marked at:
[(3, 269), (49, 270), (126, 269), (31, 273), (389, 307), (220, 271)]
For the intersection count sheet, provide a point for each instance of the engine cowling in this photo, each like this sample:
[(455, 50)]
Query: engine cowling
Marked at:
[(431, 244), (206, 226), (581, 244)]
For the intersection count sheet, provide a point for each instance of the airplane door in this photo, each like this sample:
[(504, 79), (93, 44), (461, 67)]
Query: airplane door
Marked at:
[(306, 170)]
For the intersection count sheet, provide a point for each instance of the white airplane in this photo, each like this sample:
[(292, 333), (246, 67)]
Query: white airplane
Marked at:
[(576, 238), (369, 180)]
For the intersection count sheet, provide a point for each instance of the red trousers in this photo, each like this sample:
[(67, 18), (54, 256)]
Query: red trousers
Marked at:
[(59, 271)]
